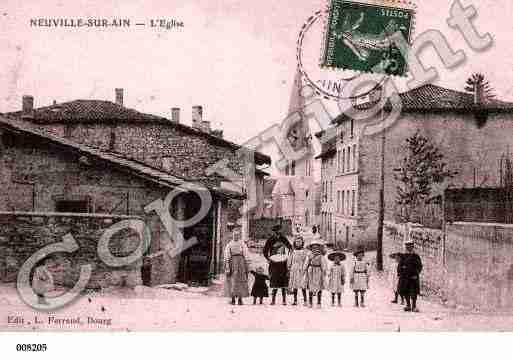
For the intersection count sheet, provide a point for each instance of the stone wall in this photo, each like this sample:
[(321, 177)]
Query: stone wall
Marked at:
[(479, 260), (23, 234), (156, 143), (472, 268)]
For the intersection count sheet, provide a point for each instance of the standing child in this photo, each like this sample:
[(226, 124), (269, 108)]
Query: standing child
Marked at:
[(315, 268), (296, 263), (359, 277), (337, 277), (260, 289)]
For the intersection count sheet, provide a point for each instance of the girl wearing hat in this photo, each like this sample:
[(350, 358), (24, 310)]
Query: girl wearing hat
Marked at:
[(315, 268), (336, 277), (296, 263), (359, 277)]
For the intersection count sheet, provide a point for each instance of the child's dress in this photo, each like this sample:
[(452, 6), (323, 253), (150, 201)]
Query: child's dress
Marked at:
[(394, 276), (260, 288), (315, 272), (336, 279), (296, 264), (360, 276)]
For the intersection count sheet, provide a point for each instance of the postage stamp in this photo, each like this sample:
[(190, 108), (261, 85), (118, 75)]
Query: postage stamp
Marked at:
[(358, 36)]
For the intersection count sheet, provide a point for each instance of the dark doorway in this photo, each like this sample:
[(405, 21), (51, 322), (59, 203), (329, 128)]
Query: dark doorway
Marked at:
[(146, 274), (195, 261)]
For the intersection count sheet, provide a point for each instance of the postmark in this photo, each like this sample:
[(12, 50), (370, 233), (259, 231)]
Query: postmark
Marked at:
[(358, 36)]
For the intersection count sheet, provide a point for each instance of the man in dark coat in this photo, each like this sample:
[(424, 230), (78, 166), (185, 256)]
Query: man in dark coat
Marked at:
[(409, 270), (278, 271)]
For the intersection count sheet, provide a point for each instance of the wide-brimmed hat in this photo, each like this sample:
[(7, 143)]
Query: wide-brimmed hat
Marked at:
[(359, 249), (315, 242), (233, 225), (333, 255), (395, 255), (409, 242)]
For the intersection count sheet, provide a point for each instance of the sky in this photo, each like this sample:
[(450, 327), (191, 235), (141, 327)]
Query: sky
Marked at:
[(235, 58)]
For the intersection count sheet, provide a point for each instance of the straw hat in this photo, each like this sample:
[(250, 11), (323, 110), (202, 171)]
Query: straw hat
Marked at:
[(315, 242), (335, 254)]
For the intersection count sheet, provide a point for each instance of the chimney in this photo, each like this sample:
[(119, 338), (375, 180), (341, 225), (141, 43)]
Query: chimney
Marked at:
[(175, 114), (27, 106), (197, 115), (119, 96), (205, 126)]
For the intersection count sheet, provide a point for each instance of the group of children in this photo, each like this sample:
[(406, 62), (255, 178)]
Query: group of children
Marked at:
[(308, 271)]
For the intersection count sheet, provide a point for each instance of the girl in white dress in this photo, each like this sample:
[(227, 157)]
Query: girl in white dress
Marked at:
[(336, 277), (359, 277), (296, 263)]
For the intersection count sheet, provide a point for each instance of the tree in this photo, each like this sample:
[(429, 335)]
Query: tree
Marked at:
[(421, 168), (480, 88)]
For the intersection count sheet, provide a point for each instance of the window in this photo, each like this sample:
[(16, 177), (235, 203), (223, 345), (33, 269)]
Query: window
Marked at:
[(72, 206), (338, 201), (287, 170), (353, 203), (349, 159), (331, 191), (343, 160), (342, 202), (293, 169), (347, 202), (354, 157), (352, 128)]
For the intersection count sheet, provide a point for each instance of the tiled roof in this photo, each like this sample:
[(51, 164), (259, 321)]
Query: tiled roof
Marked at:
[(106, 111), (116, 160), (87, 110), (433, 99)]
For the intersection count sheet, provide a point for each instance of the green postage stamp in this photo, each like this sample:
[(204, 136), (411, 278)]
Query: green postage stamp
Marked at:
[(358, 36)]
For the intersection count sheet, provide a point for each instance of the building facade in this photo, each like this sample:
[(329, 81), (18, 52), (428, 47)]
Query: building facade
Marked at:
[(164, 147), (352, 162)]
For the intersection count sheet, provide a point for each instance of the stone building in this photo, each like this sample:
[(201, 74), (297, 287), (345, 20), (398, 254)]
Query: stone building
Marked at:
[(151, 146), (472, 137)]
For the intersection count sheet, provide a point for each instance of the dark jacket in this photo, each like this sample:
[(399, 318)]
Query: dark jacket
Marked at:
[(410, 266)]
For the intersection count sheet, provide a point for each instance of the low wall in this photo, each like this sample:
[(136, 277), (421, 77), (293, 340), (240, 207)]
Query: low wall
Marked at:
[(23, 234), (472, 268), (479, 259)]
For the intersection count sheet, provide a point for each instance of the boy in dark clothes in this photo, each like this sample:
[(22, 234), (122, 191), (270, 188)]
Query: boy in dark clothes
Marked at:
[(260, 289), (409, 270)]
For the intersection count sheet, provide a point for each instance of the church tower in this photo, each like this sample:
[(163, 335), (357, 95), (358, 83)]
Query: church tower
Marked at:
[(298, 175)]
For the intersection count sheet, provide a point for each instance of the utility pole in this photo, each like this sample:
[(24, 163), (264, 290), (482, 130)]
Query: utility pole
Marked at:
[(381, 213)]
